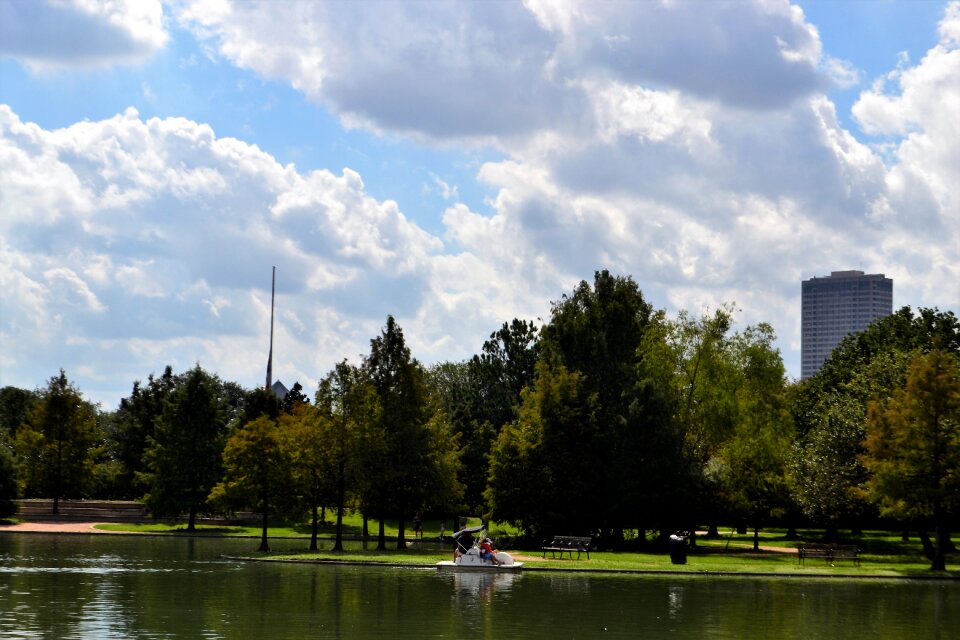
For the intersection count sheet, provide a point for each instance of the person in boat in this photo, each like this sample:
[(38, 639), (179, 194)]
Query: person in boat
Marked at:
[(488, 552)]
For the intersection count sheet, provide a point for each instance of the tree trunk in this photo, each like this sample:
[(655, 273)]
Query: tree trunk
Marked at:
[(192, 519), (341, 492), (791, 532), (832, 533), (57, 478), (939, 563), (905, 536), (263, 531), (381, 537), (928, 550), (712, 532), (756, 539), (366, 525), (618, 539), (314, 524), (401, 540)]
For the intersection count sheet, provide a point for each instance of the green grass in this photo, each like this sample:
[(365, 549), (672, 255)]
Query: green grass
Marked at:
[(883, 553), (352, 527)]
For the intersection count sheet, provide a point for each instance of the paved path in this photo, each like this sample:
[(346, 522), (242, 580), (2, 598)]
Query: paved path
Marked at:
[(54, 527)]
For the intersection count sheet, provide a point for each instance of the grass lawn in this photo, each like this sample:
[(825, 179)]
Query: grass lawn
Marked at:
[(883, 553), (352, 527)]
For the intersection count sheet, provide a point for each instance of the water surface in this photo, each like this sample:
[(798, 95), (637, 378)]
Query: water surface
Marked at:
[(97, 586)]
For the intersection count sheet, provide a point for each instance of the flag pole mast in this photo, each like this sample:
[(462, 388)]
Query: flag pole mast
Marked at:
[(273, 290)]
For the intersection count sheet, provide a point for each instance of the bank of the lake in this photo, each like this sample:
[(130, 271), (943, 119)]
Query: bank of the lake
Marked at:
[(891, 558)]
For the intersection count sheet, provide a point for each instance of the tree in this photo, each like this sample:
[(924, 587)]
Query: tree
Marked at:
[(15, 404), (827, 475), (913, 446), (257, 471), (482, 394), (8, 483), (830, 408), (132, 427), (404, 479), (597, 332), (56, 442), (184, 458), (753, 460), (329, 453), (294, 398), (537, 479)]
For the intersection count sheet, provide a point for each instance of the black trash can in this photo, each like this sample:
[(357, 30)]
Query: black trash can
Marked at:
[(678, 549)]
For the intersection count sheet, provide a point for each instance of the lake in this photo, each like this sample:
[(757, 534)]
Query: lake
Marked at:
[(99, 586)]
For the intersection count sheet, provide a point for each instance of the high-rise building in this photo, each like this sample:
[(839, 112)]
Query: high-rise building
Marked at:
[(834, 306)]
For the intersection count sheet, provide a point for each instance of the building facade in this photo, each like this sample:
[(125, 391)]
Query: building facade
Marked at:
[(834, 306)]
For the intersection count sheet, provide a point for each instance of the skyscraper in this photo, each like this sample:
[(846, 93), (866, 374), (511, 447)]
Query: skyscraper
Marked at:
[(836, 305)]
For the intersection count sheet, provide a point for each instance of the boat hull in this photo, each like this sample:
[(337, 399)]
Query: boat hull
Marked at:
[(450, 565)]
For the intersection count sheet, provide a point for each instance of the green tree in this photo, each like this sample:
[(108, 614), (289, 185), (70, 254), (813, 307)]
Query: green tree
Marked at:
[(482, 394), (753, 459), (131, 428), (405, 479), (184, 458), (294, 398), (257, 471), (56, 443), (346, 403), (8, 483), (829, 409), (535, 474), (597, 332), (15, 404), (913, 446)]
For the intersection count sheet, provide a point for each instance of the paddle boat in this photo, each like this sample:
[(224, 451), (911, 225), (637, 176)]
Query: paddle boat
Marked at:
[(467, 555)]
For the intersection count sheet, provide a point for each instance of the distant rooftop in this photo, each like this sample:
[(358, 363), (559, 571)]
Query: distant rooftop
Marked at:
[(279, 389)]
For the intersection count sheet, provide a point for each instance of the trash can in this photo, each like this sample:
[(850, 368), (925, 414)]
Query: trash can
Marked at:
[(678, 549)]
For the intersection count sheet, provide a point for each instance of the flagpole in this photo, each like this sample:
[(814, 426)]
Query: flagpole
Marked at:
[(273, 290)]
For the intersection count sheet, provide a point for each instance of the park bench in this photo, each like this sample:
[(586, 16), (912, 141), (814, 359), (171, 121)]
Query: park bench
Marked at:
[(829, 552), (567, 544)]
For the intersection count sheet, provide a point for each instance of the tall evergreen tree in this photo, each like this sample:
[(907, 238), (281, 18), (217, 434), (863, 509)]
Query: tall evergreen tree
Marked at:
[(403, 484), (184, 459), (56, 443), (346, 403), (132, 427)]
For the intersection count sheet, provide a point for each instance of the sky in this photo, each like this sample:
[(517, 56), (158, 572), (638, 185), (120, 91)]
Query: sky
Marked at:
[(455, 165)]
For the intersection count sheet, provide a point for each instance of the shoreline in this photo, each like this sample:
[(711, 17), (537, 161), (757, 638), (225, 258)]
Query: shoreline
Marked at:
[(88, 528)]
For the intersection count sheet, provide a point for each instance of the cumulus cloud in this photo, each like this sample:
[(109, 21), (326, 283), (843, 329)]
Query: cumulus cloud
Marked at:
[(467, 70), (50, 34), (139, 243), (698, 155)]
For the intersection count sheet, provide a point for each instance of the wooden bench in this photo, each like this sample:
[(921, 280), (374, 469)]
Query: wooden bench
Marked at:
[(567, 544), (829, 552)]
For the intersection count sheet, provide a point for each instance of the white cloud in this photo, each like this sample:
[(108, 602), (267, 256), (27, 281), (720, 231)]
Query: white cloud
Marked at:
[(479, 71), (687, 144), (179, 272), (51, 34)]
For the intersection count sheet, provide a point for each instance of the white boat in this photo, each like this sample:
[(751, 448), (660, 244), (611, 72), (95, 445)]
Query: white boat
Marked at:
[(468, 557)]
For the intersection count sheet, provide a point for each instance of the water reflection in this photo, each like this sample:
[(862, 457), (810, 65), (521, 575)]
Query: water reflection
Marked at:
[(674, 600), (108, 587), (477, 588)]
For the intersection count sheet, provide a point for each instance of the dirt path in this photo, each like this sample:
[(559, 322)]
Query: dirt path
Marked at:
[(53, 527)]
